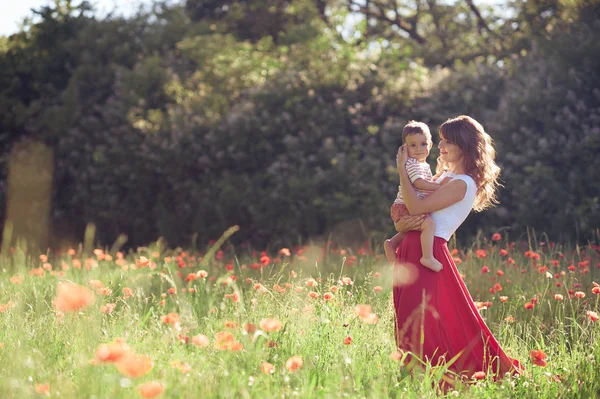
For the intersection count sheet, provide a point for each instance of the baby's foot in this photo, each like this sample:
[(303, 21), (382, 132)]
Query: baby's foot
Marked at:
[(432, 264), (390, 251)]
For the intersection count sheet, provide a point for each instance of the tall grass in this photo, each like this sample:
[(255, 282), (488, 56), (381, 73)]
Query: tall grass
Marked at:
[(313, 291)]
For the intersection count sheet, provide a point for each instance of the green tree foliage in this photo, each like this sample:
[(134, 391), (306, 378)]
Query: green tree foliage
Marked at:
[(284, 21)]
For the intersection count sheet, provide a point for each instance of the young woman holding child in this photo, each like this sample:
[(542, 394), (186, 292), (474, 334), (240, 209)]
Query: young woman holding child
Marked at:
[(436, 318)]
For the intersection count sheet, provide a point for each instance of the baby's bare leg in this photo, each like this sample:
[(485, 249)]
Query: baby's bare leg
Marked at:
[(389, 247), (428, 260)]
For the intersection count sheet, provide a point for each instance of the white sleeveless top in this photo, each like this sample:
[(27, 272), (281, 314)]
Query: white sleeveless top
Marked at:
[(447, 220)]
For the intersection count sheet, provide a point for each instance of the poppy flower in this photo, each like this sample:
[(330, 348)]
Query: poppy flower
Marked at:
[(285, 251), (265, 260), (17, 279), (593, 316), (183, 367), (127, 292), (5, 307), (538, 357), (558, 297), (202, 273), (311, 282), (529, 305), (150, 389), (579, 294), (172, 319), (231, 324), (200, 340), (328, 296), (278, 288), (267, 368), (72, 297), (134, 365), (249, 328), (479, 375), (270, 325), (108, 308), (294, 364), (224, 340), (346, 281), (142, 261), (348, 340), (43, 389)]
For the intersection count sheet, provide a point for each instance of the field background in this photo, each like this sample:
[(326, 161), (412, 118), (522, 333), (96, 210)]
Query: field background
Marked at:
[(225, 322), (284, 117), (130, 146)]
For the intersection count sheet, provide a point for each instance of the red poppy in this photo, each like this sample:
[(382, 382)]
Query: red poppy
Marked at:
[(71, 297), (480, 375), (150, 389), (132, 365), (294, 364), (538, 357), (270, 325), (43, 389), (267, 367), (200, 340)]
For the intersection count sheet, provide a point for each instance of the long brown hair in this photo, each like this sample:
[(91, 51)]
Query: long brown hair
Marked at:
[(479, 157)]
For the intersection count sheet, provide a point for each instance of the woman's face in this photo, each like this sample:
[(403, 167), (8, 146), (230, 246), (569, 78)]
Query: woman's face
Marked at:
[(449, 152)]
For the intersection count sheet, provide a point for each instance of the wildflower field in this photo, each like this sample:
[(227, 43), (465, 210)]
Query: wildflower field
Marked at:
[(315, 320)]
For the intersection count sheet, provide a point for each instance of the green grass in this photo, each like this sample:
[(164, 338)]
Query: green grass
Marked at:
[(42, 346)]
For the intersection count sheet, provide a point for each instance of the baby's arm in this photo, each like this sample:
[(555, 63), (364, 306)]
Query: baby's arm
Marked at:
[(423, 184)]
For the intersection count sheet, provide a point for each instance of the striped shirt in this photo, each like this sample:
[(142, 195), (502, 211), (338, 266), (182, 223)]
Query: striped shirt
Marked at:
[(416, 170)]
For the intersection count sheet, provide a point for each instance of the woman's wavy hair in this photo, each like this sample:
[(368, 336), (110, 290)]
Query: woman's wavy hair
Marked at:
[(479, 156)]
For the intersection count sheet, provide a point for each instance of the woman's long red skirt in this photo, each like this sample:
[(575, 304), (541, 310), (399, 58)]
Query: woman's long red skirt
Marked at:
[(436, 319)]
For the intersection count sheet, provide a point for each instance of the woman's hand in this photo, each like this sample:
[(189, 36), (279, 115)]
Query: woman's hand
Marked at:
[(409, 223), (401, 157)]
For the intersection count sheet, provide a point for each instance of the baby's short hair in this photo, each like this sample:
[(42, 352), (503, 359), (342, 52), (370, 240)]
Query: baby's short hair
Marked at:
[(414, 127)]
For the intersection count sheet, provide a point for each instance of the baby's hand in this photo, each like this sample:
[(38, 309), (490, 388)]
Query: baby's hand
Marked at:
[(401, 157)]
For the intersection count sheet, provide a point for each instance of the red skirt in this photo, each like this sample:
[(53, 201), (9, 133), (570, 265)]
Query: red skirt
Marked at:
[(436, 319)]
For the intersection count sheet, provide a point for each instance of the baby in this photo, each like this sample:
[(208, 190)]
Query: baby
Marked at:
[(418, 142)]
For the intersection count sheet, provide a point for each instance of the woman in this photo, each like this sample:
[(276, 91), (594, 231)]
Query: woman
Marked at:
[(436, 319)]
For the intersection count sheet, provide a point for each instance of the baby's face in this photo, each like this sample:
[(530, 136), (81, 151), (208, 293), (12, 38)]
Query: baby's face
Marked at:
[(418, 146)]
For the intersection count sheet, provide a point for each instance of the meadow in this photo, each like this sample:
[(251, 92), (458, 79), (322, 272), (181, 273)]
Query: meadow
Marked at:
[(311, 321)]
